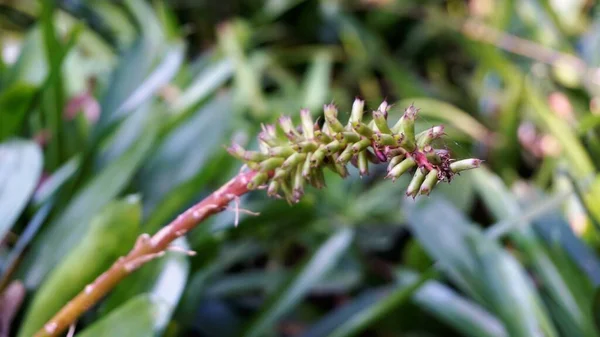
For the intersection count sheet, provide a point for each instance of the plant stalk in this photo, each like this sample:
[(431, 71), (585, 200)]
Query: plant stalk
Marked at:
[(146, 249)]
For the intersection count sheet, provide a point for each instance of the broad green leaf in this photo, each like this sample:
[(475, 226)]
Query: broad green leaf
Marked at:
[(20, 169), (111, 234), (458, 312), (61, 234), (324, 259), (139, 317)]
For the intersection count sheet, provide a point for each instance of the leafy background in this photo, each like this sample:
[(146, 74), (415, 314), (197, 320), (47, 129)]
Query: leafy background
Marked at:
[(113, 117)]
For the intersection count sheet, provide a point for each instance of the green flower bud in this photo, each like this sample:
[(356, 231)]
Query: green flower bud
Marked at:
[(384, 107), (322, 137), (268, 135), (271, 164), (465, 164), (317, 178), (401, 168), (258, 180), (318, 156), (239, 152), (331, 118), (386, 140), (333, 147), (357, 110), (407, 123), (363, 163), (306, 146), (298, 191), (346, 155), (397, 151), (273, 189), (307, 124), (281, 151), (294, 160), (287, 191), (288, 128), (281, 173), (395, 161), (415, 184), (381, 122), (337, 167), (306, 169), (347, 136), (362, 129), (426, 137), (432, 156), (361, 145), (430, 181), (406, 143)]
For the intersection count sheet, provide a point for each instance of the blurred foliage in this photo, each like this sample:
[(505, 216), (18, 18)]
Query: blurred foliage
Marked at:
[(113, 117)]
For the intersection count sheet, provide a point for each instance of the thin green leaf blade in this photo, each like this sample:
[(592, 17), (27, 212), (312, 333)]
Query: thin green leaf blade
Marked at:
[(315, 269), (20, 170)]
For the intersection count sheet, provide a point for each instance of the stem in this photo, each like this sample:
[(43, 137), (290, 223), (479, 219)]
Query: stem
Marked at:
[(145, 249)]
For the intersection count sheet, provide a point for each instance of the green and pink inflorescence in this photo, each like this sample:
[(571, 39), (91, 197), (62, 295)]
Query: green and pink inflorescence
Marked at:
[(291, 157)]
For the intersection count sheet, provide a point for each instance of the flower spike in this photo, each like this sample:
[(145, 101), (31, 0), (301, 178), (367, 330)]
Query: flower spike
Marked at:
[(286, 164)]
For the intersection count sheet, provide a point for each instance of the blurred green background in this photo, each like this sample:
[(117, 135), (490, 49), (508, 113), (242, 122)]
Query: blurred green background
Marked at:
[(114, 116)]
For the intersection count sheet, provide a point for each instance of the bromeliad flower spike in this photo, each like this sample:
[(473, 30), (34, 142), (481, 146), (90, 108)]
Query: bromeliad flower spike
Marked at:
[(288, 159), (291, 157)]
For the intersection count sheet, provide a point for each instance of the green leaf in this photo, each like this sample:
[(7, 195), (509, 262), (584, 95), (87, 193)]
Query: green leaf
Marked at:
[(20, 169), (480, 267), (141, 72), (31, 67), (463, 315), (317, 82), (390, 300), (160, 76), (207, 82), (61, 234), (361, 303), (247, 78), (207, 127), (14, 103), (54, 182), (139, 317), (510, 293), (324, 259), (111, 234), (504, 206), (442, 232)]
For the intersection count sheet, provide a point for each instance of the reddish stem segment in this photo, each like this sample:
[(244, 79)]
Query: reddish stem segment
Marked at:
[(145, 249)]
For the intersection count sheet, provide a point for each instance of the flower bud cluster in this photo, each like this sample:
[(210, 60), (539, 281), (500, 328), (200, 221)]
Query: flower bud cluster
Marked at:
[(291, 157)]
